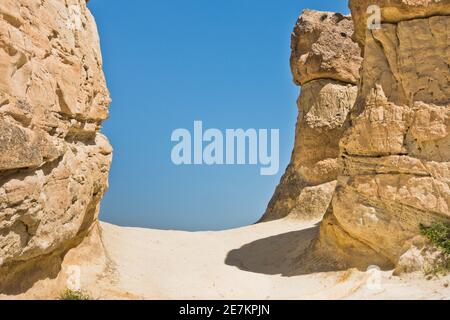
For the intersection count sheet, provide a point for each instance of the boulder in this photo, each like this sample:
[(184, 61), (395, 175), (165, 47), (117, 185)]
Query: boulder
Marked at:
[(54, 162), (395, 155), (325, 62)]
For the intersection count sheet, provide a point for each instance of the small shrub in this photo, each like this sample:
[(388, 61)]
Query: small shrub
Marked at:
[(74, 295), (439, 235)]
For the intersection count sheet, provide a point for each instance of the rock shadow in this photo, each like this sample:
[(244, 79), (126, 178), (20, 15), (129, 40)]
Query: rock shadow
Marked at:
[(284, 254), (18, 278)]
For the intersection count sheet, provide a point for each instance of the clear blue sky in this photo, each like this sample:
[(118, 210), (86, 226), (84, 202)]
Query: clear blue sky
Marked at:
[(170, 62)]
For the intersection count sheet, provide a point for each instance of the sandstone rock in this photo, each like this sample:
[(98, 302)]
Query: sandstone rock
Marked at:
[(325, 61), (313, 202), (322, 48), (54, 163), (411, 60), (395, 155), (393, 11), (420, 257)]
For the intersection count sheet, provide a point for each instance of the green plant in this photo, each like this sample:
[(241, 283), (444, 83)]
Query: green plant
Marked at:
[(74, 295), (439, 235)]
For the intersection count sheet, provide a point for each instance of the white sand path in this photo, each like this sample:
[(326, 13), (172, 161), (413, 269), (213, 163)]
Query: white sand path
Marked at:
[(254, 262)]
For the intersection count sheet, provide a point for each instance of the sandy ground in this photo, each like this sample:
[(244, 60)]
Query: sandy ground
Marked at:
[(255, 262)]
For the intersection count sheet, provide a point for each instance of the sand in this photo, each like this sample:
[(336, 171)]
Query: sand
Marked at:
[(254, 262)]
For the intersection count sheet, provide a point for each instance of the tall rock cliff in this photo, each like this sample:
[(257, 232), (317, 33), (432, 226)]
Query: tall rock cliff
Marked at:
[(325, 62), (54, 163), (395, 156)]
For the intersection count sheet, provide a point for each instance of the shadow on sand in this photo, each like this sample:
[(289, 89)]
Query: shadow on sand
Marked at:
[(283, 254)]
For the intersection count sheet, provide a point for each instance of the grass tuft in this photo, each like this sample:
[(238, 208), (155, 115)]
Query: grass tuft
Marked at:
[(439, 235), (74, 295)]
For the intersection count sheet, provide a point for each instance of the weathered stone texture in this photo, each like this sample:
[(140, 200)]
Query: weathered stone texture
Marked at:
[(325, 62), (54, 163), (395, 156)]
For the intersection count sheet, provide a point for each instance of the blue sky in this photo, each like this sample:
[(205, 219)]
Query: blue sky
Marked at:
[(171, 62)]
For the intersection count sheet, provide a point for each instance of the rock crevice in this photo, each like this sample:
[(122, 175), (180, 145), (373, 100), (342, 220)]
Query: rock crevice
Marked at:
[(325, 62), (54, 162), (400, 128), (392, 154)]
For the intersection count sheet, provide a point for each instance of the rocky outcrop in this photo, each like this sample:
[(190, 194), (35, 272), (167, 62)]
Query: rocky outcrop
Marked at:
[(54, 163), (393, 11), (395, 156), (325, 61)]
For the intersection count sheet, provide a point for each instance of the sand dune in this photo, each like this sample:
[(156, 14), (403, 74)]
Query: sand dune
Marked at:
[(255, 262)]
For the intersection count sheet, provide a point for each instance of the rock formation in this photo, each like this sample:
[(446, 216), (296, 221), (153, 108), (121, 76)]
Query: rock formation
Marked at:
[(395, 156), (386, 142), (325, 61), (394, 11), (54, 163)]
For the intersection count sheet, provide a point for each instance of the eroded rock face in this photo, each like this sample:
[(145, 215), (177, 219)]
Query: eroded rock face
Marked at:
[(54, 163), (394, 11), (322, 48), (395, 157), (325, 62)]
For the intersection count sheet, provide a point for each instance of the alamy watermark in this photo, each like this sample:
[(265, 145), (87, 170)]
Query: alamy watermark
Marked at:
[(234, 147), (374, 280), (374, 18)]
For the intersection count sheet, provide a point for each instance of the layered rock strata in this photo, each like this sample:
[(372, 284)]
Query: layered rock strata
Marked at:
[(54, 162), (325, 62), (395, 156)]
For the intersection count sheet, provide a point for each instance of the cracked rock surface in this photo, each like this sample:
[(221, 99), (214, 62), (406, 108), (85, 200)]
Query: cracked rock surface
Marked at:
[(54, 162), (372, 147), (325, 61), (395, 156)]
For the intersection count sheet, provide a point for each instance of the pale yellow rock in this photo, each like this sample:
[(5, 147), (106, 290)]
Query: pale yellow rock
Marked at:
[(412, 59), (421, 257), (326, 62), (322, 48), (395, 155), (54, 163), (313, 202), (393, 11)]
